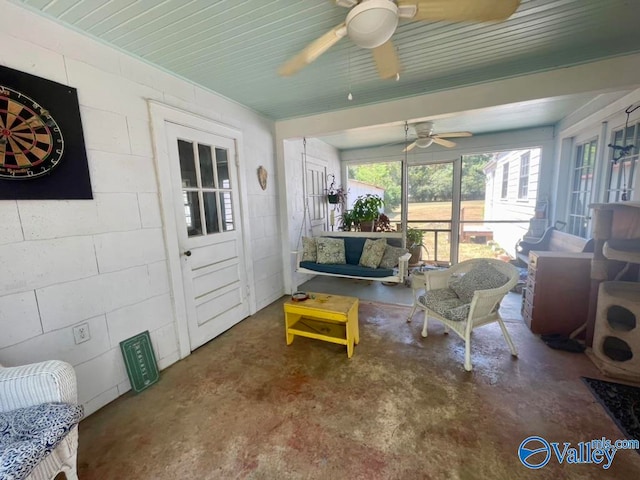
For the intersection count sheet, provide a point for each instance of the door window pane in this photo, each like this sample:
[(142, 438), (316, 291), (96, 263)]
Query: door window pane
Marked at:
[(227, 211), (192, 213), (582, 180), (206, 188), (206, 166), (187, 164), (211, 212), (222, 165)]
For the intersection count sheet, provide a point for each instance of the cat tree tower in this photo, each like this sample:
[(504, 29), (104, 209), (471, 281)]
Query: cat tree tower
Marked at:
[(616, 327)]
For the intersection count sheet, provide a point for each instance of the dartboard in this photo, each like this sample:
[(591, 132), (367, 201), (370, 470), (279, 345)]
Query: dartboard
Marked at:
[(31, 144)]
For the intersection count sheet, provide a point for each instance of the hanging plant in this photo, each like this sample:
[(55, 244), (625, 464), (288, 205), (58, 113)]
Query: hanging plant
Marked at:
[(336, 195)]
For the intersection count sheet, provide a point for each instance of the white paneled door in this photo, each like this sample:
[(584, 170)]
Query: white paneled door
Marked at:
[(204, 179)]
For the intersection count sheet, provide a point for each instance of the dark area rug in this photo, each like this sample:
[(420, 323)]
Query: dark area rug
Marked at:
[(621, 402)]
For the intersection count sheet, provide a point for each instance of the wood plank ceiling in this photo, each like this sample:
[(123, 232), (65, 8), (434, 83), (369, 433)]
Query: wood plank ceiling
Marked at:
[(235, 47)]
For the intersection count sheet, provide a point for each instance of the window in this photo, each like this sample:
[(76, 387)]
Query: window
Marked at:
[(206, 188), (581, 188), (505, 180), (622, 170), (523, 183)]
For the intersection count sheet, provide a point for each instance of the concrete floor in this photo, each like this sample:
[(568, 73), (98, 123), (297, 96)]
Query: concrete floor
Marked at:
[(245, 405)]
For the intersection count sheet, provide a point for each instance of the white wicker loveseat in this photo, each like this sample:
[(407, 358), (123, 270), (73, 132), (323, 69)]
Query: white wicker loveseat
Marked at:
[(38, 401), (465, 296)]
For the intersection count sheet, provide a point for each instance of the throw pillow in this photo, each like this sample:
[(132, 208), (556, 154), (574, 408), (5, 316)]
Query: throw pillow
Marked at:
[(391, 256), (481, 277), (29, 434), (372, 252), (330, 250), (309, 249)]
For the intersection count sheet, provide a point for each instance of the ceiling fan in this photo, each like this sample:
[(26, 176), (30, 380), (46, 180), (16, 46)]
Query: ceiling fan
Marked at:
[(371, 23), (426, 137)]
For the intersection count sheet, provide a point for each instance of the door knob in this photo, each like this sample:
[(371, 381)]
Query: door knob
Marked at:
[(187, 253)]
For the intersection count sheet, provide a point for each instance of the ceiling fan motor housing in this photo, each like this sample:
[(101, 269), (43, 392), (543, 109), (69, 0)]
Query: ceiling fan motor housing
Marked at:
[(372, 22), (424, 129)]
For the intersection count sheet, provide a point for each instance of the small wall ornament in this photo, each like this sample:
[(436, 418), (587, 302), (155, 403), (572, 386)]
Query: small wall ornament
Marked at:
[(262, 177)]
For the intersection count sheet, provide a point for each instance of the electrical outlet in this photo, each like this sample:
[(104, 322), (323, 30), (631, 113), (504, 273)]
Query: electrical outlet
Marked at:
[(81, 333)]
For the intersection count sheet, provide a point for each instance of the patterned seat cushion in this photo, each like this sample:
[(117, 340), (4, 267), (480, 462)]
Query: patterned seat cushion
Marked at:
[(445, 302), (27, 435), (481, 277)]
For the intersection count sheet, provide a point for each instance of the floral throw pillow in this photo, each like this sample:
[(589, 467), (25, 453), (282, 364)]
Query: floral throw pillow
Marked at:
[(391, 256), (372, 252), (330, 250), (309, 249), (481, 277)]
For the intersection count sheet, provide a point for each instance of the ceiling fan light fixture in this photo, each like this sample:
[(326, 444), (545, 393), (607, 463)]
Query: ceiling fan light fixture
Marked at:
[(424, 142), (372, 22)]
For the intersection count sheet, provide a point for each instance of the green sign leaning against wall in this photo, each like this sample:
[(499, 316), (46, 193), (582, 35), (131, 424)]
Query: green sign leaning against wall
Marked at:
[(140, 361)]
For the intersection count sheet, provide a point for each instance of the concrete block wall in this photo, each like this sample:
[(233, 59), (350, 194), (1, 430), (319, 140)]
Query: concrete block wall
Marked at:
[(103, 262)]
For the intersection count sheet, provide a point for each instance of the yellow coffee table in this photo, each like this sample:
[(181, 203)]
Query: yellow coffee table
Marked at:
[(332, 318)]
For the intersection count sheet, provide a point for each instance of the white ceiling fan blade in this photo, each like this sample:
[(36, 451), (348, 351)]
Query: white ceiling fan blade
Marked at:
[(443, 142), (387, 61), (454, 135), (410, 147), (312, 51), (462, 10)]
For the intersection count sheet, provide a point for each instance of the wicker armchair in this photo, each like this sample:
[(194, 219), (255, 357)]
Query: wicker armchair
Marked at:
[(465, 296), (42, 383)]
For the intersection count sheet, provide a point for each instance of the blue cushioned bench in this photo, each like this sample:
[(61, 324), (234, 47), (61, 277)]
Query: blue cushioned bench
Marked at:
[(354, 243)]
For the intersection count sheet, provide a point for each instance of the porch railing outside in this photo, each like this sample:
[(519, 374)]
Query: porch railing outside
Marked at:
[(437, 238)]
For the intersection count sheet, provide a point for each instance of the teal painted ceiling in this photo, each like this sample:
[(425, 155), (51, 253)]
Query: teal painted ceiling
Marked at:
[(235, 47)]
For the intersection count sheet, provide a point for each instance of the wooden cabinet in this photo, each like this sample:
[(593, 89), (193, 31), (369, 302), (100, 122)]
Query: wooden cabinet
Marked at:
[(556, 297)]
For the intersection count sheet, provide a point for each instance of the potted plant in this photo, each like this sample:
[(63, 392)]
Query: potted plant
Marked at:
[(414, 244), (366, 209), (383, 224), (347, 221)]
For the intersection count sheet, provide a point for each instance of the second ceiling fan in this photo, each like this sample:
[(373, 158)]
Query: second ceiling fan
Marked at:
[(426, 137), (371, 23)]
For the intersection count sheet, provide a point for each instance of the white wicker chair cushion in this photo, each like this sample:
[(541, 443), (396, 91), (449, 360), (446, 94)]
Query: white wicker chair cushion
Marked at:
[(459, 313), (481, 277), (445, 302), (29, 434)]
